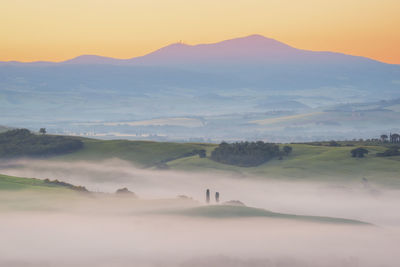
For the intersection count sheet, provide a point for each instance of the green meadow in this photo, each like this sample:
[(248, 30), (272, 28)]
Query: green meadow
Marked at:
[(141, 153), (306, 162)]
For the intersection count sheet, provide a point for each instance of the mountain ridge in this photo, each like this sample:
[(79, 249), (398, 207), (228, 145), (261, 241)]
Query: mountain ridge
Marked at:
[(251, 48)]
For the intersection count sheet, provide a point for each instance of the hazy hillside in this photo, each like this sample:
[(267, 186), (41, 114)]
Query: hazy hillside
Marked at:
[(238, 77), (306, 162), (3, 128)]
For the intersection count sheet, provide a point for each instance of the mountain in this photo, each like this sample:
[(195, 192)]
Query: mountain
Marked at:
[(250, 50), (253, 74), (92, 59)]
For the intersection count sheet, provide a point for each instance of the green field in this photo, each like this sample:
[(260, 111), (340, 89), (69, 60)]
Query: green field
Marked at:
[(18, 183), (142, 153), (30, 194), (306, 162), (313, 162)]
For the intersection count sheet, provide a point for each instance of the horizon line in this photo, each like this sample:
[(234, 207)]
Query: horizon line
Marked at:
[(181, 42)]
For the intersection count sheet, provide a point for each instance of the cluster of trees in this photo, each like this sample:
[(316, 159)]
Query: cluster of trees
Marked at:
[(67, 185), (392, 151), (358, 152), (247, 154), (23, 143), (392, 138), (201, 152), (125, 192)]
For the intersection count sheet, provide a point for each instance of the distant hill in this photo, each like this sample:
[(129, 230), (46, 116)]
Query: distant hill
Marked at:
[(227, 211), (241, 76), (141, 153), (306, 162)]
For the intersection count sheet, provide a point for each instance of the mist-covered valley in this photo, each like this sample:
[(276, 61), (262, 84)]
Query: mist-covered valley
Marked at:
[(167, 222), (199, 133)]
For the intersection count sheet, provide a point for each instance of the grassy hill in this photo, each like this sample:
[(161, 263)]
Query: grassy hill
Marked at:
[(306, 162), (226, 211), (143, 153), (314, 163), (30, 194), (12, 183)]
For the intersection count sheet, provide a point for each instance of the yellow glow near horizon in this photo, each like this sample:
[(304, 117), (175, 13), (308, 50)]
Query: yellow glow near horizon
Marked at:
[(57, 30)]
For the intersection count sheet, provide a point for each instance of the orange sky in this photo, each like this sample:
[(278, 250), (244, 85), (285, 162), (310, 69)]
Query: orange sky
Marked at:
[(56, 30)]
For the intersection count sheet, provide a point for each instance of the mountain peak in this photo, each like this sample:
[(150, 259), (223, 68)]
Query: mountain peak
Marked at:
[(255, 37), (254, 48), (91, 59)]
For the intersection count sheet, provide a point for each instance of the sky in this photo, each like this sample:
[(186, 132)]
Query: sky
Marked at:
[(56, 30)]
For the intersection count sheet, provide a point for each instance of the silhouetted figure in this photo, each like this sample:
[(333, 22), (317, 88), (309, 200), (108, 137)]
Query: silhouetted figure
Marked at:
[(208, 196), (217, 197)]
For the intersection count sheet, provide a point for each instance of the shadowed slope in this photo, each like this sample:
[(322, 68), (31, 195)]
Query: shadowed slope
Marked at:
[(227, 211)]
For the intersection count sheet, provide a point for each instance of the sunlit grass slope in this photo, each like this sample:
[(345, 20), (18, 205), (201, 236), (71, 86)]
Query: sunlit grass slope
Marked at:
[(30, 194), (306, 162), (144, 153), (312, 162), (12, 183)]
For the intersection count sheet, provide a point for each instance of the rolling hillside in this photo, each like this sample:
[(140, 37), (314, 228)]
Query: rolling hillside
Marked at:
[(142, 153), (227, 211), (307, 162), (29, 194)]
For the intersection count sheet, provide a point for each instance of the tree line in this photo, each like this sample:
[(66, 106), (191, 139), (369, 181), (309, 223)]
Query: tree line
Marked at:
[(248, 154), (23, 143), (392, 138)]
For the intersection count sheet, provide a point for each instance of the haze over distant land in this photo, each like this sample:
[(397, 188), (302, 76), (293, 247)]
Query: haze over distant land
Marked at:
[(188, 91)]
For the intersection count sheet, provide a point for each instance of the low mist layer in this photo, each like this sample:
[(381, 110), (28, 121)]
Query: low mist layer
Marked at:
[(363, 201), (106, 230)]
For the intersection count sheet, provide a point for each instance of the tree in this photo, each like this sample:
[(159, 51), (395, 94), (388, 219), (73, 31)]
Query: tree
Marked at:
[(287, 150), (358, 152), (202, 153), (125, 192), (394, 138), (208, 196), (217, 197), (384, 138), (333, 143), (42, 130), (393, 151)]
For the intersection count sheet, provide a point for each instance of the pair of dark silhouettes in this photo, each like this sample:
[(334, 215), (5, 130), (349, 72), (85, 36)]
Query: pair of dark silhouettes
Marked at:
[(208, 196)]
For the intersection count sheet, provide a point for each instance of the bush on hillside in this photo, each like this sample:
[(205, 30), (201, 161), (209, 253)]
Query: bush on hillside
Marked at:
[(358, 152)]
